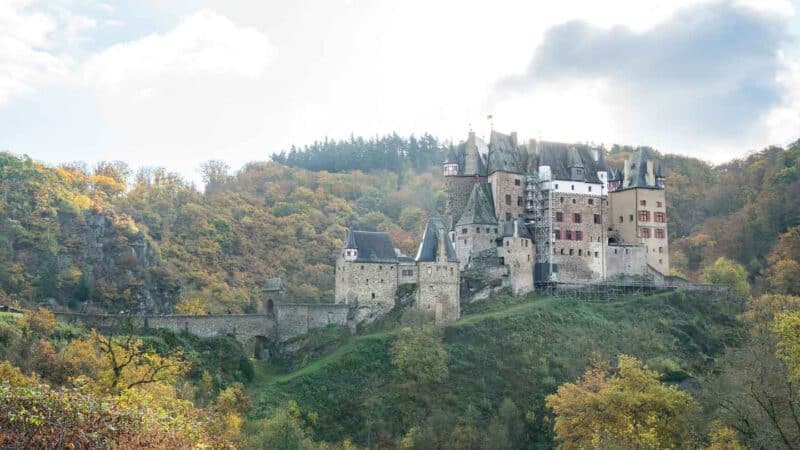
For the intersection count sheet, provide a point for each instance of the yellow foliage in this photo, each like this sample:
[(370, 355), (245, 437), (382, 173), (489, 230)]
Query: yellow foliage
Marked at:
[(191, 307), (629, 409), (723, 438), (14, 377), (40, 321)]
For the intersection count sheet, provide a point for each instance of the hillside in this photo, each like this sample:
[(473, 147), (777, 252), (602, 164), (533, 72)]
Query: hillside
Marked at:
[(520, 349), (110, 239)]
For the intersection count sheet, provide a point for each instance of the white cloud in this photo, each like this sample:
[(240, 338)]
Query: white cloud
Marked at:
[(26, 55), (205, 44), (783, 122)]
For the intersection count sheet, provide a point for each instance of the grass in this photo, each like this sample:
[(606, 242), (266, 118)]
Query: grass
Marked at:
[(520, 348)]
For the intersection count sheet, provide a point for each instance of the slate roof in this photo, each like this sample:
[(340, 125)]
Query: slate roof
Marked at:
[(559, 156), (505, 154), (637, 170), (508, 229), (372, 246), (273, 284), (429, 247), (480, 207)]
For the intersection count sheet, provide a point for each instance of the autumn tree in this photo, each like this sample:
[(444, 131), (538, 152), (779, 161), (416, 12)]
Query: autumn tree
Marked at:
[(727, 272), (625, 408)]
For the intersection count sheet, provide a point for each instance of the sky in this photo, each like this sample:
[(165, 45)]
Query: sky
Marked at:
[(172, 84)]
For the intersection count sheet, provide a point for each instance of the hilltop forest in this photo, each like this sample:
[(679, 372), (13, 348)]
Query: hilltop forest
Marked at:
[(106, 238)]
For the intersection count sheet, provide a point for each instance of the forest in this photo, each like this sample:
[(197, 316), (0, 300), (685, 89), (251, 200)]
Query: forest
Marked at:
[(672, 370)]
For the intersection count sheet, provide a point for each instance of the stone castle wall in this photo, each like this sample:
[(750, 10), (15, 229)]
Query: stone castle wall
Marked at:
[(624, 260), (371, 287), (518, 255), (508, 190), (298, 318), (471, 239), (438, 290), (579, 260), (244, 327)]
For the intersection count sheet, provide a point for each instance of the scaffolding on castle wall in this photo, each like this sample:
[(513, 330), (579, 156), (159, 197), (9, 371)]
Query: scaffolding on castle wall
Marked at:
[(539, 214), (604, 291)]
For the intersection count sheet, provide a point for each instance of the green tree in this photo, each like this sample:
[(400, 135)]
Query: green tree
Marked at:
[(728, 273), (418, 354), (283, 430), (784, 277)]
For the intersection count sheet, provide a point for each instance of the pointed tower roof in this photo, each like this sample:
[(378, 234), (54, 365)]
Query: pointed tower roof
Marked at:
[(451, 157), (434, 237), (473, 160), (505, 154), (480, 207)]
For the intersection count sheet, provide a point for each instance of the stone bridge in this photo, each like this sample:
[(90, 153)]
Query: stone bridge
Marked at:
[(254, 331)]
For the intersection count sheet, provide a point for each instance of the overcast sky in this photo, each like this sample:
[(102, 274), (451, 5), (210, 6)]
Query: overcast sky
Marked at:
[(174, 83)]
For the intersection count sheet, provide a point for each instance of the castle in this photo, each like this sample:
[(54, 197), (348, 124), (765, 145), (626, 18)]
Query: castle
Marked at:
[(523, 214)]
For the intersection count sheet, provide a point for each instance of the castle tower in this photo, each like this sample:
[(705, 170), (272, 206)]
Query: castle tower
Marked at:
[(439, 277), (516, 251), (477, 227), (367, 274), (462, 167), (273, 295), (638, 209), (506, 168)]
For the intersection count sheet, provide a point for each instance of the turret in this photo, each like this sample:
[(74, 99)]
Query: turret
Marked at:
[(451, 163), (350, 248), (660, 178)]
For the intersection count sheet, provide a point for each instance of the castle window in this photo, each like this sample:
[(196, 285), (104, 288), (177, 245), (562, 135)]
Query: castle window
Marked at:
[(559, 216), (598, 219), (590, 190), (478, 230), (519, 201), (502, 261), (508, 199), (529, 257), (516, 182), (660, 204), (591, 200), (508, 216), (660, 249), (463, 231), (499, 243), (576, 218), (373, 295), (660, 233), (487, 229), (661, 261), (573, 187), (644, 232), (451, 271), (644, 216), (659, 217), (615, 251), (578, 235), (508, 243), (596, 254), (381, 280), (571, 252), (642, 202), (580, 252), (569, 235), (465, 241), (562, 199), (557, 234), (495, 231), (562, 251), (380, 267), (626, 251), (429, 270), (362, 267), (630, 217), (620, 219)]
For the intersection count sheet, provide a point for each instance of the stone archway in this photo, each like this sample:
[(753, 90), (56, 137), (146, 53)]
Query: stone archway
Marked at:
[(259, 347), (270, 307)]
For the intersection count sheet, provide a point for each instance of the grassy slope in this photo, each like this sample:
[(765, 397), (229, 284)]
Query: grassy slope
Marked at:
[(507, 348)]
